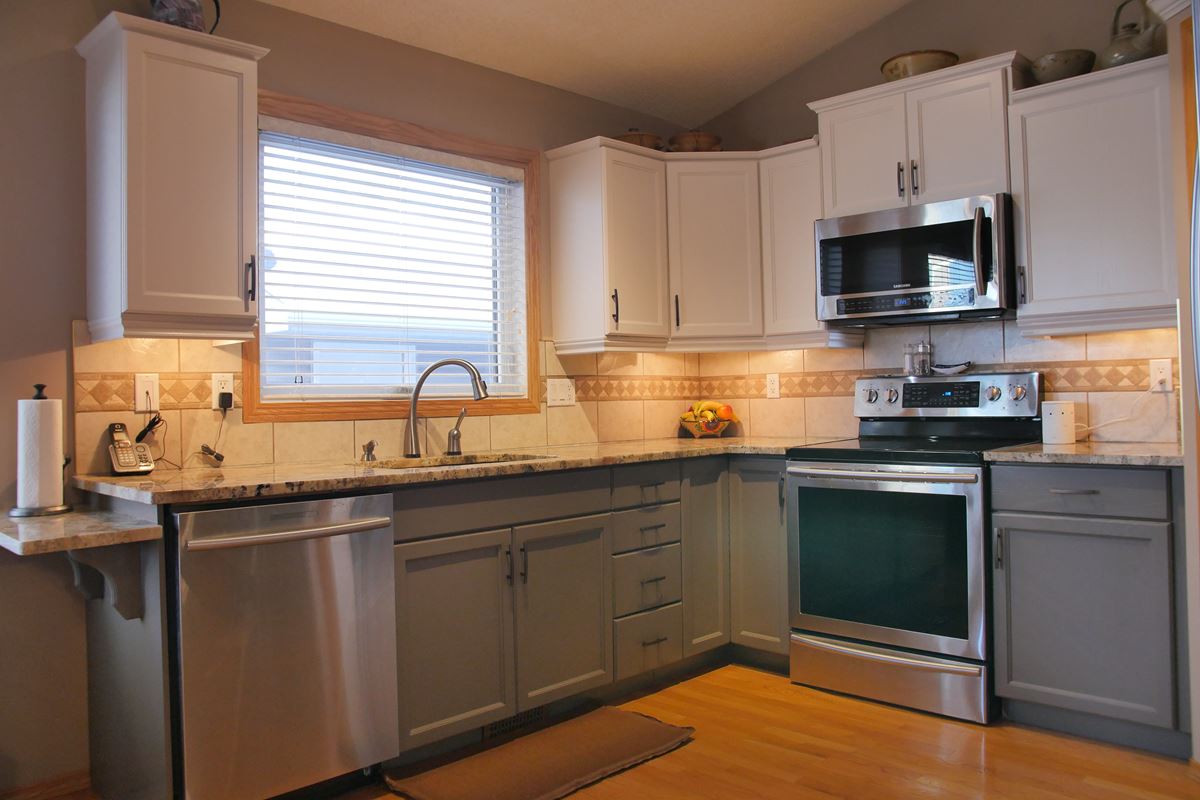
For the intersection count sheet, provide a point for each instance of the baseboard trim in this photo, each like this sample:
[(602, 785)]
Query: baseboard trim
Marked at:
[(71, 783)]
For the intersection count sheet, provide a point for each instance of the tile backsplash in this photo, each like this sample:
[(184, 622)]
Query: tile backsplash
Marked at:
[(621, 396)]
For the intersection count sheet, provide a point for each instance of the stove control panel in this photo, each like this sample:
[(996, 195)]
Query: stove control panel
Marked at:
[(1016, 394)]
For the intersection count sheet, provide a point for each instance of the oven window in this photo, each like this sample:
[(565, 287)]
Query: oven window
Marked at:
[(891, 559), (928, 257)]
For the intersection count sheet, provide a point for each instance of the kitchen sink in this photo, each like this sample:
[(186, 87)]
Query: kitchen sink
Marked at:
[(449, 461)]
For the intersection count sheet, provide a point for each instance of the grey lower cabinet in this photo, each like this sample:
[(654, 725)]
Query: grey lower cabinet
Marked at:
[(758, 571), (454, 618), (564, 608), (493, 623), (1083, 613), (704, 506)]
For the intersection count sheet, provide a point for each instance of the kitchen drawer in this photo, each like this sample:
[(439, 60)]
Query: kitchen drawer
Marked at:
[(1090, 491), (645, 484), (464, 506), (646, 578), (648, 526), (648, 640)]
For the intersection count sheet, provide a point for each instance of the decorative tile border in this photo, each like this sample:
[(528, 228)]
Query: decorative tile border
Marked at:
[(95, 391)]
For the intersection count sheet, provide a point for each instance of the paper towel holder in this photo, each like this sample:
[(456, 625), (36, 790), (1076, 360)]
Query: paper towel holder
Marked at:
[(44, 511)]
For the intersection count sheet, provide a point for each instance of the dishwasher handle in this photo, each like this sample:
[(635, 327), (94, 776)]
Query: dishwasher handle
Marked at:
[(297, 535)]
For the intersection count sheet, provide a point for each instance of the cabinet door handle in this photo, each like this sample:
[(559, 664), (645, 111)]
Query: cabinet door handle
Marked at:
[(915, 185), (524, 565), (782, 495), (998, 549), (616, 315), (1074, 491), (1021, 286), (508, 555), (676, 311), (251, 279), (648, 528), (653, 642), (654, 580), (900, 179)]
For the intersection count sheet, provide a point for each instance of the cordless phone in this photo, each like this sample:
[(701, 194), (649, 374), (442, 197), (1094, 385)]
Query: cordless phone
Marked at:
[(127, 458)]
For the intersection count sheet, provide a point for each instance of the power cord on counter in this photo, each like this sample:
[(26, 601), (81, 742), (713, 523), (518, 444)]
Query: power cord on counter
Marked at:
[(1133, 410), (153, 426)]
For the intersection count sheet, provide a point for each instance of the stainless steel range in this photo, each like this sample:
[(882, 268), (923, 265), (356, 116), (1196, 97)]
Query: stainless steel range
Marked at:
[(889, 570)]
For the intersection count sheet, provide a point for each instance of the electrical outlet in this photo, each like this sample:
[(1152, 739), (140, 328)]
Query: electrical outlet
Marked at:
[(560, 391), (1161, 379), (773, 386), (221, 382), (145, 391)]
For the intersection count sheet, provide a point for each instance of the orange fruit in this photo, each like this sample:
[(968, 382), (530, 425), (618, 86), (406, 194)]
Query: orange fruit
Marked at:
[(725, 412)]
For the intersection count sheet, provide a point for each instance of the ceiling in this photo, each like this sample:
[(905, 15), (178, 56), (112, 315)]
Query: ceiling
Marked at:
[(684, 62)]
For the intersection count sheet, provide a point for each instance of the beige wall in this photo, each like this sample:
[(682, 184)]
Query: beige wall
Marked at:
[(971, 28), (43, 703)]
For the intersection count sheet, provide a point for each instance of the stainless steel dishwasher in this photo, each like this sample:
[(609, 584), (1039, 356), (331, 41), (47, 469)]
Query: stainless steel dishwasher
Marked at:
[(287, 645)]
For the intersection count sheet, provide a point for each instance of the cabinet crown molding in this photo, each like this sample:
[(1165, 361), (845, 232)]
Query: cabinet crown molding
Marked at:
[(1012, 59), (116, 21), (1090, 78), (1165, 9)]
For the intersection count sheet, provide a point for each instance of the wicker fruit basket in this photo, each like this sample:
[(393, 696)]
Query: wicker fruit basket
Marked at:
[(702, 428)]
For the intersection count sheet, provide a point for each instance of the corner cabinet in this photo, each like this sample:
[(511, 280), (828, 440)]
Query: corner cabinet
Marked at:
[(172, 173), (608, 249), (758, 554), (937, 136), (704, 503), (1092, 192)]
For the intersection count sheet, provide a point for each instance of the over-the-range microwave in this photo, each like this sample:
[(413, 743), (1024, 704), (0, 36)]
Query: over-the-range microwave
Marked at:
[(926, 263)]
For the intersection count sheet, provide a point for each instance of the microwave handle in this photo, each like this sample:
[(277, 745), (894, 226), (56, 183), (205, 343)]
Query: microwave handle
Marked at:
[(980, 281)]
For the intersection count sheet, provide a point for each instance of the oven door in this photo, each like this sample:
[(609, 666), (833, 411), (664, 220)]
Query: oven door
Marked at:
[(890, 554), (950, 258)]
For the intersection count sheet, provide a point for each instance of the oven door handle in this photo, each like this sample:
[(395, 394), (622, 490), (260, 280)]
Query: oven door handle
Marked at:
[(888, 658), (874, 475)]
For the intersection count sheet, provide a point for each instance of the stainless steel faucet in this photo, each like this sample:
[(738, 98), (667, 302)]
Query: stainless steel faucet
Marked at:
[(412, 448)]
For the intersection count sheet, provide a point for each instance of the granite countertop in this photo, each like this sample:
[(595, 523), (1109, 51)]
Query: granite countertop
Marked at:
[(1115, 454), (76, 530), (234, 483)]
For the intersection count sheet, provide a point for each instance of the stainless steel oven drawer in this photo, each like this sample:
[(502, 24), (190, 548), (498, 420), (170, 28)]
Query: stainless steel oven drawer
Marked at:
[(952, 688), (648, 640), (647, 578), (649, 526), (1087, 491)]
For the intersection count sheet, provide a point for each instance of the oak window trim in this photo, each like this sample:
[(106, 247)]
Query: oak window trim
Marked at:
[(297, 109)]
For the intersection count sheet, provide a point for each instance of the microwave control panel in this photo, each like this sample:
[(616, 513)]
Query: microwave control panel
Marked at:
[(909, 301), (1016, 394)]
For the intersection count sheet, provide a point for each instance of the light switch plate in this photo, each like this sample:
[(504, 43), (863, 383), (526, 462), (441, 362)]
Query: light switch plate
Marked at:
[(1161, 379), (772, 385), (145, 391), (221, 382), (560, 391)]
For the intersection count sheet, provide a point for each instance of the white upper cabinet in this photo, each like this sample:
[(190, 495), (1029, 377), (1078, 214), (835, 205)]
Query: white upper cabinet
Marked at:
[(1092, 191), (937, 136), (865, 150), (172, 181), (714, 250), (608, 249), (789, 185), (957, 139)]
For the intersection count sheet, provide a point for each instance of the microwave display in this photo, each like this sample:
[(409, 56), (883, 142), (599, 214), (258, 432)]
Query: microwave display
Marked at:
[(906, 259)]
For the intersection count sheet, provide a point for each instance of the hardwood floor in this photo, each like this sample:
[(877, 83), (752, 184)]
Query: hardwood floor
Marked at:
[(759, 736)]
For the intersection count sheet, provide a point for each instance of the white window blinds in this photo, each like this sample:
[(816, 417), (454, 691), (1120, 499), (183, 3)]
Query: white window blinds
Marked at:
[(375, 265)]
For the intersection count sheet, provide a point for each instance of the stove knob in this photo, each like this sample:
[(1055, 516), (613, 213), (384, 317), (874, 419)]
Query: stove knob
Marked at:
[(892, 395), (1018, 393), (993, 393), (872, 396)]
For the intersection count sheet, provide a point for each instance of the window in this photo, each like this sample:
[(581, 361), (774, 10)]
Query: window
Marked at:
[(379, 257)]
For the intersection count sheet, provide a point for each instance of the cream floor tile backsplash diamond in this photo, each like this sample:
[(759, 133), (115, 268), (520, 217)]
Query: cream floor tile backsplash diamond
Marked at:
[(622, 396)]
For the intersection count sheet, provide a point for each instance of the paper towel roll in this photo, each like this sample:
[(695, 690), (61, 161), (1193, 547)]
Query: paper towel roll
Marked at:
[(39, 453)]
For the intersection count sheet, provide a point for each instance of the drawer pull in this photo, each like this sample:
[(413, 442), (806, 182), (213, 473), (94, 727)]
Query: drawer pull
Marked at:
[(648, 528), (654, 485), (654, 580), (1074, 491), (653, 642)]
